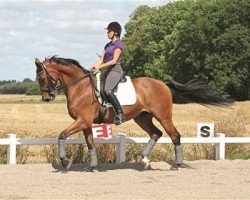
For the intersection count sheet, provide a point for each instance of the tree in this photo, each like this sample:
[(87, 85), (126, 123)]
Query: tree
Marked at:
[(27, 80), (29, 88), (205, 39)]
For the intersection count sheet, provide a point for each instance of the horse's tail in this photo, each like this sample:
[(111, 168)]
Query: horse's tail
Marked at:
[(197, 91)]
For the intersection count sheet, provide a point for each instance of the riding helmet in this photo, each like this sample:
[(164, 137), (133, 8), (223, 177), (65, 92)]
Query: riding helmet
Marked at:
[(116, 27)]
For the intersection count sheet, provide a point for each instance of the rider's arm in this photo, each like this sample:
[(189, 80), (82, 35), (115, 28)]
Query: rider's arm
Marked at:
[(112, 62), (98, 62)]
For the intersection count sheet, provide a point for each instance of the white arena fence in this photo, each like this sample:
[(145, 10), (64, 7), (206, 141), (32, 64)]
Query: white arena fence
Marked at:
[(120, 141)]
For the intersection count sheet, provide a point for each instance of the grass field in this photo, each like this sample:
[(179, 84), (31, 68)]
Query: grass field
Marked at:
[(27, 116)]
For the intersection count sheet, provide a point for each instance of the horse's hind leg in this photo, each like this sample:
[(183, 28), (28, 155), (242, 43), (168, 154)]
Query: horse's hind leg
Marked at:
[(176, 139), (144, 120)]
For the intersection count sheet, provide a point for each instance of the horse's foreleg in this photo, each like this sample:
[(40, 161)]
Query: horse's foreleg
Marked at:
[(91, 146), (75, 127), (62, 154)]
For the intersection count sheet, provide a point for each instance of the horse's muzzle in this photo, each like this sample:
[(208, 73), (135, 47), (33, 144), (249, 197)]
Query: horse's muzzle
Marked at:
[(49, 98)]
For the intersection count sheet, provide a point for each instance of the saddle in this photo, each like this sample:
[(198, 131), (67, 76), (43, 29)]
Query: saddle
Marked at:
[(124, 91)]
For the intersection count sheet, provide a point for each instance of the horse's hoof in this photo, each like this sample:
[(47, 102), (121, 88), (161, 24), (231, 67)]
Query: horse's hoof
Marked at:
[(94, 169), (91, 169), (176, 166), (66, 163), (146, 163), (93, 165)]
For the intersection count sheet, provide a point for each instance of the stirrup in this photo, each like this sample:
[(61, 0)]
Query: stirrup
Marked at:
[(119, 119)]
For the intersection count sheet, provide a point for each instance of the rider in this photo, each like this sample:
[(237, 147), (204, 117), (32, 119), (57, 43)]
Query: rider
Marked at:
[(111, 60)]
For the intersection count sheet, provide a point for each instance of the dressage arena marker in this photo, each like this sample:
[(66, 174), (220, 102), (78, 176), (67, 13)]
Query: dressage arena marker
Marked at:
[(205, 130), (102, 130)]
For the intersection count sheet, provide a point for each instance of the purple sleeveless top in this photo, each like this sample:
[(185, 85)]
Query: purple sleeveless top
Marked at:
[(110, 49)]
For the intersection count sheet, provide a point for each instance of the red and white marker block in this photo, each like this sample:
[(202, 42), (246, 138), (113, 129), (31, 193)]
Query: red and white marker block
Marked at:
[(102, 130)]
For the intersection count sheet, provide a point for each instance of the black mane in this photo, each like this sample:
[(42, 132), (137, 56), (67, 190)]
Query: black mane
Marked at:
[(65, 61)]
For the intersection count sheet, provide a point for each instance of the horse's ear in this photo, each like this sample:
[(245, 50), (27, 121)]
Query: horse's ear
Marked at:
[(38, 62)]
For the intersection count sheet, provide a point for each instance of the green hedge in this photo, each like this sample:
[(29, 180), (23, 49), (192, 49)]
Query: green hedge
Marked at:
[(28, 88)]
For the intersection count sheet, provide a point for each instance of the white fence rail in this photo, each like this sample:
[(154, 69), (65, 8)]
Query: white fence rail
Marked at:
[(120, 141)]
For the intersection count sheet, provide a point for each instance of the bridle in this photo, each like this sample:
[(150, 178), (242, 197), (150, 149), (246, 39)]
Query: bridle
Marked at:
[(52, 87)]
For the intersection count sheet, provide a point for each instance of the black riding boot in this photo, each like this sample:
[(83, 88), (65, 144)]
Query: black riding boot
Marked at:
[(120, 118)]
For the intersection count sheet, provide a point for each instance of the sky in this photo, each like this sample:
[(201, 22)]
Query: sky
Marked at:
[(70, 29)]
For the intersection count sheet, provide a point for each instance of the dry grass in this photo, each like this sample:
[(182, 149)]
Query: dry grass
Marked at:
[(27, 116)]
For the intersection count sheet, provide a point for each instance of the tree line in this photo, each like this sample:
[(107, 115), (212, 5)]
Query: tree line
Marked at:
[(27, 86), (183, 40)]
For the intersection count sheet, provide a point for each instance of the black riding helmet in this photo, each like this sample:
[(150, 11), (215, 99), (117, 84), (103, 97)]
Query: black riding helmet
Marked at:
[(116, 27)]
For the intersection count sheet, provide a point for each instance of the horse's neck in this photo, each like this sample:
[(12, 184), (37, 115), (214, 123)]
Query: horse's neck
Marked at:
[(74, 84), (67, 75)]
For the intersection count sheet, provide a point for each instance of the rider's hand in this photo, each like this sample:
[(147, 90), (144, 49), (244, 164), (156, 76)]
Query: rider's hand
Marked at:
[(95, 68)]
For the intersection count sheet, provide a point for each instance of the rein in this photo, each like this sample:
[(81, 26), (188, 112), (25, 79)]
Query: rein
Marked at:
[(56, 89), (66, 86)]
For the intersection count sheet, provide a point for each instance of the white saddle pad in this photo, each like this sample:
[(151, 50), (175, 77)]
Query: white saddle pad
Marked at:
[(125, 91)]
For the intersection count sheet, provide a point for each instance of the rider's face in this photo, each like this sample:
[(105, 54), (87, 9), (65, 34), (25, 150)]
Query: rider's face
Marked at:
[(110, 34)]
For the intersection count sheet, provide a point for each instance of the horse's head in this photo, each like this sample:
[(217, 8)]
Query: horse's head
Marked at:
[(47, 78)]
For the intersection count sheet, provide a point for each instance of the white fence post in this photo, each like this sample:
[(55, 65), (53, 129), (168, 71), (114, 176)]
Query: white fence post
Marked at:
[(121, 148), (11, 149), (221, 147)]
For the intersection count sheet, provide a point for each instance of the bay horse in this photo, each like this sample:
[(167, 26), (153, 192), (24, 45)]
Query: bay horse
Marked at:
[(154, 99)]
